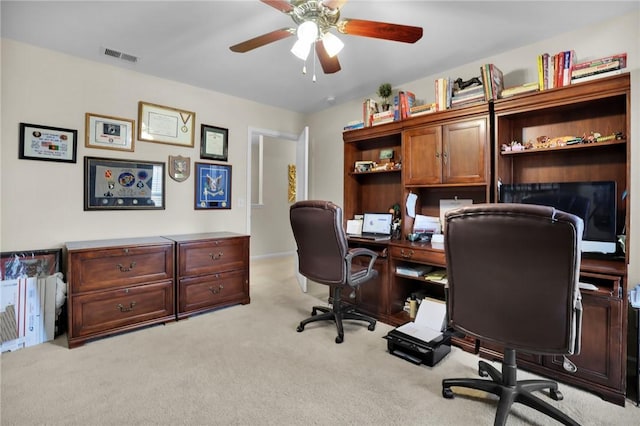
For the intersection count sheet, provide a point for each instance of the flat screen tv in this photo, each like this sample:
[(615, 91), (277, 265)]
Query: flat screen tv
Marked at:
[(594, 202)]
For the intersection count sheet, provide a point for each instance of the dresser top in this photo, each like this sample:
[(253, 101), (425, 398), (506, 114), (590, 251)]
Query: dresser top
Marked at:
[(116, 242), (203, 236)]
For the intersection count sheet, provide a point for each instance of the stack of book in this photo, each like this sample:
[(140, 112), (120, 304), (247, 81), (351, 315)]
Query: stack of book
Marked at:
[(383, 117), (518, 90), (443, 87), (468, 95), (561, 68), (418, 110), (492, 81), (546, 69), (598, 68), (355, 124)]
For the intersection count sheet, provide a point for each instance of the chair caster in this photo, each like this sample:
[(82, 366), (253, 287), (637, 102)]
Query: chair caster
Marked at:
[(371, 327), (447, 393), (300, 328), (339, 339), (556, 395)]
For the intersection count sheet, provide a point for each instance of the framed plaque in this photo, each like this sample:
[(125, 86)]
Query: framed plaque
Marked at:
[(47, 143), (214, 143), (112, 184), (103, 131), (162, 124), (212, 186)]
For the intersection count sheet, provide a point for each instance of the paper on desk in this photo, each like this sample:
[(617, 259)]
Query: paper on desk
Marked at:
[(430, 224), (411, 204), (429, 321)]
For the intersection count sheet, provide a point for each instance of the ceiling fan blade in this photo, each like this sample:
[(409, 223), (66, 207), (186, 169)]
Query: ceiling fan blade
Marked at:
[(384, 30), (281, 5), (262, 40), (334, 4), (329, 65)]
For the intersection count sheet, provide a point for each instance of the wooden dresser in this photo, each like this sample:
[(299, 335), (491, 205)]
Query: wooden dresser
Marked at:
[(118, 285), (213, 271)]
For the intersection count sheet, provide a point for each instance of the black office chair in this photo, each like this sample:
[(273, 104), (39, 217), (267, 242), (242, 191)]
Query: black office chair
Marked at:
[(324, 257), (513, 273)]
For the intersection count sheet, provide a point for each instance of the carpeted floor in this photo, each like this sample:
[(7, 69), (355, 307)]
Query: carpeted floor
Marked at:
[(247, 365)]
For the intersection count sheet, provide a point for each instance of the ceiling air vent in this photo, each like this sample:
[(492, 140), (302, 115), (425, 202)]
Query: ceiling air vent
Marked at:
[(120, 55)]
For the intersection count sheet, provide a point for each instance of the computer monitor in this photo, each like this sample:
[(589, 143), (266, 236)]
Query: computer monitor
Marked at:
[(377, 223)]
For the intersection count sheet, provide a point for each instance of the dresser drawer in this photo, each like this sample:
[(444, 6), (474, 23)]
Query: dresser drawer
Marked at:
[(119, 309), (418, 254), (210, 256), (209, 291), (120, 267)]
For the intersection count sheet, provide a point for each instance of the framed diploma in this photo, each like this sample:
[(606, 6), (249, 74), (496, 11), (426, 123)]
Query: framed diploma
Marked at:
[(212, 186), (102, 131), (162, 124), (214, 142), (47, 143), (113, 184)]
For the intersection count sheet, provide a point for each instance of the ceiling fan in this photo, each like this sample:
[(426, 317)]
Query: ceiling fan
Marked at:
[(314, 20)]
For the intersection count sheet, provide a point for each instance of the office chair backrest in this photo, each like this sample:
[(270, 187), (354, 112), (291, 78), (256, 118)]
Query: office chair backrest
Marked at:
[(512, 275), (322, 243)]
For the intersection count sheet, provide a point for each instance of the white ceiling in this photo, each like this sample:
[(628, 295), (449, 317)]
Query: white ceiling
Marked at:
[(188, 41)]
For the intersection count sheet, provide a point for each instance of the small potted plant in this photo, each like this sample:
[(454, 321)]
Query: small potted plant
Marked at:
[(384, 91)]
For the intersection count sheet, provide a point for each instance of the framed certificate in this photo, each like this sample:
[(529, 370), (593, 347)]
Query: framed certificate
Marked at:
[(103, 131), (47, 143), (214, 142), (162, 124)]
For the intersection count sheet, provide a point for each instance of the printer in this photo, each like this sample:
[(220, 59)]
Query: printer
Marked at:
[(422, 341)]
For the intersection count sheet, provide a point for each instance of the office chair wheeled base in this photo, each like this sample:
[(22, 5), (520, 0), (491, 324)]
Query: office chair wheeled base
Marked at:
[(337, 314), (509, 390)]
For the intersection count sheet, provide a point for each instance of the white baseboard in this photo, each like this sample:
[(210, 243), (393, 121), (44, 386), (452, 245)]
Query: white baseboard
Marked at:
[(273, 255)]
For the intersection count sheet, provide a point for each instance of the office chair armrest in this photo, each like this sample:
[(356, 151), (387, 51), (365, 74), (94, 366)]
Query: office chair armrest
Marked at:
[(357, 252)]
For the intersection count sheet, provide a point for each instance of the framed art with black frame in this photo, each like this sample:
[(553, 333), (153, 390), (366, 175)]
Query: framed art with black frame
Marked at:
[(214, 143), (47, 143), (113, 184), (212, 186)]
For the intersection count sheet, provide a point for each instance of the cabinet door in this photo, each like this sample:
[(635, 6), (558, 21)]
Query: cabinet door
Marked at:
[(464, 152), (600, 359), (422, 156)]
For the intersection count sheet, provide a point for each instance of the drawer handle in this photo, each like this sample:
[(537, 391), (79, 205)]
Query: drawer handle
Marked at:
[(126, 309), (407, 255), (125, 269), (215, 256), (216, 290)]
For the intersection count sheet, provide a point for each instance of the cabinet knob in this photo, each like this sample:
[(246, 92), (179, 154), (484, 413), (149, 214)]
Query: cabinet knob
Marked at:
[(126, 308), (214, 256), (125, 268), (216, 290), (437, 154)]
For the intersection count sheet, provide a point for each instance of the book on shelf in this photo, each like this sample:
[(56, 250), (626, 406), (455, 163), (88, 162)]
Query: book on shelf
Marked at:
[(402, 102), (369, 107), (356, 124), (466, 100), (383, 117), (441, 93), (413, 270), (620, 57), (469, 91), (492, 80), (596, 76), (523, 88), (418, 110), (596, 69)]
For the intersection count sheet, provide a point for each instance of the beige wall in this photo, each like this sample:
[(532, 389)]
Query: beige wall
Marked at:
[(42, 202), (519, 66)]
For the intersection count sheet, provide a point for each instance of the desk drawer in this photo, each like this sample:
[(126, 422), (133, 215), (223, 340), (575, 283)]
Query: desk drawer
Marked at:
[(210, 256), (117, 309), (209, 291), (417, 254), (120, 267)]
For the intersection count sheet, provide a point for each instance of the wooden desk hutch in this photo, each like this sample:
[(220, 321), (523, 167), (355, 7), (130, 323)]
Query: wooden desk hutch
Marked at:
[(457, 153)]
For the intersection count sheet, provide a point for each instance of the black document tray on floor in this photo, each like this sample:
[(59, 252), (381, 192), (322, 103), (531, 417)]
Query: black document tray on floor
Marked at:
[(418, 351)]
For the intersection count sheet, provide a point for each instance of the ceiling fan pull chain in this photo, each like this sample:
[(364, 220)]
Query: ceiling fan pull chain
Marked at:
[(314, 68)]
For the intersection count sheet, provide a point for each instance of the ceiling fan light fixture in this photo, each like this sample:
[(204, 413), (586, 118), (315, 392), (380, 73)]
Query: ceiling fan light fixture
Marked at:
[(301, 49), (308, 32), (332, 44)]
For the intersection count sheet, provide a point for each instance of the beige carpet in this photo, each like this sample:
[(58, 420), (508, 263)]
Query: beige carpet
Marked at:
[(247, 365)]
